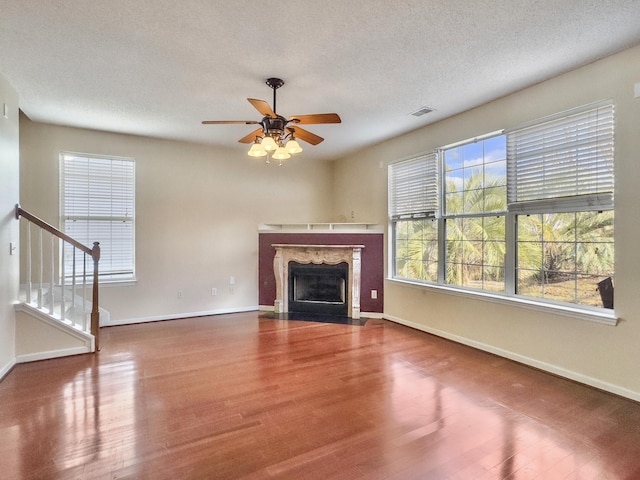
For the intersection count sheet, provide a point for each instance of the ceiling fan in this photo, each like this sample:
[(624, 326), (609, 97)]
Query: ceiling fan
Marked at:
[(275, 129)]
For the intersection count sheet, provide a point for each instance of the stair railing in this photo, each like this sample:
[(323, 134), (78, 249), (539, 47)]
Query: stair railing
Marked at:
[(46, 300)]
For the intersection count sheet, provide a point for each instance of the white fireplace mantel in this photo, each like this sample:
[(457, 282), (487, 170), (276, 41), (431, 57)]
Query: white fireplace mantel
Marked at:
[(317, 254)]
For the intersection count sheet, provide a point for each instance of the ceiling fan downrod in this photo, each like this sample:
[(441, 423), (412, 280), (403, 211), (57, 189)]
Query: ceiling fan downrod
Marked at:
[(274, 84)]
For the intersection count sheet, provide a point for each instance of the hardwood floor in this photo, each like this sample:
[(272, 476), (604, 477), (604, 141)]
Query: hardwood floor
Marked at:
[(244, 396)]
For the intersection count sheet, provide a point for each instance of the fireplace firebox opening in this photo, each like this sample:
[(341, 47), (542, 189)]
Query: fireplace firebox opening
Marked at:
[(319, 288)]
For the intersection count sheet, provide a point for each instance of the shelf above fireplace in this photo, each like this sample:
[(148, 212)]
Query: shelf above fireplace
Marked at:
[(322, 227)]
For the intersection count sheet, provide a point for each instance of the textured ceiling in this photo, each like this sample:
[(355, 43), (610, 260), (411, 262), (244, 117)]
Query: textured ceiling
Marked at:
[(159, 68)]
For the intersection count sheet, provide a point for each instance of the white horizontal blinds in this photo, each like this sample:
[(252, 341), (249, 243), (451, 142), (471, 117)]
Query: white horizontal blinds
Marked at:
[(563, 162), (98, 206), (413, 188)]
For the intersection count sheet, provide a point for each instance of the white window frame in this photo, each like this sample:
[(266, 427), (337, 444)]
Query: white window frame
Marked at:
[(104, 201)]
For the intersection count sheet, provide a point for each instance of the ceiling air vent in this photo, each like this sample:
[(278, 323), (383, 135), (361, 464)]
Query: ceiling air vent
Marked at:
[(422, 111)]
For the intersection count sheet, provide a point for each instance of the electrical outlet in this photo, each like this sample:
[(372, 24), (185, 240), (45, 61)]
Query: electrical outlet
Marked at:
[(214, 292), (179, 293), (374, 294)]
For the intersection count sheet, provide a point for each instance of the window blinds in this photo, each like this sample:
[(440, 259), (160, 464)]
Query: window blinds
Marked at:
[(565, 162), (98, 206), (413, 188)]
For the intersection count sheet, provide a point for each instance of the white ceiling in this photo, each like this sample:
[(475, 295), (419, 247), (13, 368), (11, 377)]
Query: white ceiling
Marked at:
[(160, 67)]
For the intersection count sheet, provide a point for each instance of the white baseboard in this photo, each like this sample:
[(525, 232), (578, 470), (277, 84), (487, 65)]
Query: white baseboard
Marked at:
[(7, 368), (65, 352), (532, 362), (176, 316)]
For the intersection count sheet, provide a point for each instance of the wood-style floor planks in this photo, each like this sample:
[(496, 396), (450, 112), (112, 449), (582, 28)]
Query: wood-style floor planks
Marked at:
[(253, 397)]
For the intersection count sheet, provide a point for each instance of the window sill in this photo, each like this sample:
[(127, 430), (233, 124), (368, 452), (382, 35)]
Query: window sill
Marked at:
[(108, 283), (592, 314), (119, 283)]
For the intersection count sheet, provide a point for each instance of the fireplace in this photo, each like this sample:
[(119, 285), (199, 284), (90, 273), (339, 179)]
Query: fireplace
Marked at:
[(337, 283), (320, 288)]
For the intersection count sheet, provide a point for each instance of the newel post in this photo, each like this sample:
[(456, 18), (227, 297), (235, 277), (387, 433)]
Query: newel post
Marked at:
[(95, 312)]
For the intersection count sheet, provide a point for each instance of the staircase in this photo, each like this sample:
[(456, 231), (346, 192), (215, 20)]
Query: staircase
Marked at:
[(58, 312)]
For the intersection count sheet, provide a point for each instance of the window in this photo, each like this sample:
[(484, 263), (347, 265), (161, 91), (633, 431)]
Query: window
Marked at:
[(417, 249), (562, 192), (563, 256), (97, 201), (475, 191), (528, 212), (413, 203)]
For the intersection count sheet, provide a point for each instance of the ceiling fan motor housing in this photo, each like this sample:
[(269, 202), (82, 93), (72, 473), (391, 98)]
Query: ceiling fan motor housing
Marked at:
[(273, 126)]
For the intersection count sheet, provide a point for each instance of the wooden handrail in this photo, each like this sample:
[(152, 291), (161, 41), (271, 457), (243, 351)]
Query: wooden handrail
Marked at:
[(95, 255), (51, 229)]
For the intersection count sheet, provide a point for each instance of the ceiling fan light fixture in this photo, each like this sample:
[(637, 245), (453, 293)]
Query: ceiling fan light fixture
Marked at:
[(257, 150), (269, 143), (292, 147), (280, 154)]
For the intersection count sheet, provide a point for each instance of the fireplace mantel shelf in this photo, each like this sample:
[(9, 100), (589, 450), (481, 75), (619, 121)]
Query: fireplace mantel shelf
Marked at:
[(347, 227), (291, 245)]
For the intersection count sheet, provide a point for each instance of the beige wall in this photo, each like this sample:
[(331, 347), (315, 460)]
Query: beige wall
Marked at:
[(8, 224), (601, 355), (198, 210)]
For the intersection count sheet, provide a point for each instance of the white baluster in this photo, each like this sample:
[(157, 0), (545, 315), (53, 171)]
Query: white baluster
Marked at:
[(51, 277), (29, 247), (85, 315), (40, 271), (63, 303), (73, 288)]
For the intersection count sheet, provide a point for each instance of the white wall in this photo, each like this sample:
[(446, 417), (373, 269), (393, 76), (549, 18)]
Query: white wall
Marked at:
[(198, 210), (8, 224), (601, 355), (39, 338)]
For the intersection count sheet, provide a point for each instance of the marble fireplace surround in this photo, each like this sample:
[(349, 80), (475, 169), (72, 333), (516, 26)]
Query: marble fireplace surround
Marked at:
[(317, 254)]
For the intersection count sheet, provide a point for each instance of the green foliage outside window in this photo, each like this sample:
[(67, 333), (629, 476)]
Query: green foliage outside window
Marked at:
[(563, 256), (417, 249)]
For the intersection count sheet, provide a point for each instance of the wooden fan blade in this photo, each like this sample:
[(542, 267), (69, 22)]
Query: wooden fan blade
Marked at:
[(305, 135), (316, 118), (252, 136), (263, 107), (229, 122)]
